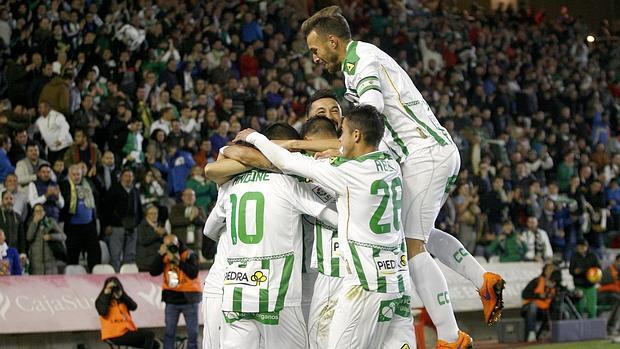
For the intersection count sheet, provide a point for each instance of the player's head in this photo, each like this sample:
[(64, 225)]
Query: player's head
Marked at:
[(324, 103), (362, 130), (280, 131), (327, 35), (319, 127)]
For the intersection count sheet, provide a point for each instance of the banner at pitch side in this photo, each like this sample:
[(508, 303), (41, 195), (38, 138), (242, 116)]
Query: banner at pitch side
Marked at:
[(62, 303)]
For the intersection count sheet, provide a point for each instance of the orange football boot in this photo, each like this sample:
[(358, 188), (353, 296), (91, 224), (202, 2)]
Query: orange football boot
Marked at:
[(491, 295), (463, 342)]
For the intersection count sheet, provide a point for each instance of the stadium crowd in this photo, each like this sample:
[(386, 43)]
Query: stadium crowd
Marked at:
[(111, 109)]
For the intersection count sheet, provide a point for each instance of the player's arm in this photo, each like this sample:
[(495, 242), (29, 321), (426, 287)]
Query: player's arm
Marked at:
[(306, 201), (321, 172), (248, 156), (367, 83), (224, 169), (215, 225), (316, 145)]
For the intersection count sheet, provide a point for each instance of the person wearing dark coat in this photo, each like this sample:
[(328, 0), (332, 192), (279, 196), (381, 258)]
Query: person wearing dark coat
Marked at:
[(580, 263), (150, 237), (122, 213)]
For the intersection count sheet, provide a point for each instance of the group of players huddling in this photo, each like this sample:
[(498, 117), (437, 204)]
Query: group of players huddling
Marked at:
[(368, 199)]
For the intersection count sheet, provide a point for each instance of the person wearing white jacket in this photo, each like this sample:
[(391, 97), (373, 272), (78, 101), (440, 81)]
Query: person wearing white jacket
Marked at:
[(537, 241), (54, 129)]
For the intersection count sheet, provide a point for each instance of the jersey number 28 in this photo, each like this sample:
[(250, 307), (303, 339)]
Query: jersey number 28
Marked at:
[(388, 190)]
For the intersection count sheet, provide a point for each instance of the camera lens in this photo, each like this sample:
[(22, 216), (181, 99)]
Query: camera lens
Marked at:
[(173, 248)]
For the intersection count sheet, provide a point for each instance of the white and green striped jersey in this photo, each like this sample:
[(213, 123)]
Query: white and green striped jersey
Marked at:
[(263, 219), (215, 229), (410, 122), (326, 252), (369, 194)]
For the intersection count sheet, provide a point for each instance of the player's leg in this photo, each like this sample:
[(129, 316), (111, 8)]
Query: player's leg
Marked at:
[(323, 301), (424, 183), (212, 311), (240, 334), (290, 332), (360, 319), (451, 252)]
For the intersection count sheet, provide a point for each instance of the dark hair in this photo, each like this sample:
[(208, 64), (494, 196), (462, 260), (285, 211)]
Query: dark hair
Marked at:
[(319, 125), (3, 139), (320, 94), (369, 121), (280, 130), (31, 144), (126, 169), (80, 129), (45, 164), (116, 280), (328, 21)]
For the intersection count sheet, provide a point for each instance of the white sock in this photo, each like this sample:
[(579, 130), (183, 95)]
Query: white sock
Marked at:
[(451, 252), (432, 288)]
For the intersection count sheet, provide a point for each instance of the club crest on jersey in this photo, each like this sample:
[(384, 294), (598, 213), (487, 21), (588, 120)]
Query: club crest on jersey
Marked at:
[(350, 67), (246, 277)]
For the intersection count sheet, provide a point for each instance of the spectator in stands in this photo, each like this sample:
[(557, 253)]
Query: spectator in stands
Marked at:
[(187, 220), (204, 154), (150, 238), (117, 327), (509, 245), (179, 164), (220, 138), (6, 167), (9, 258), (537, 297), (26, 169), (54, 130), (122, 212), (80, 217), (47, 243), (181, 288), (18, 147), (20, 200), (107, 173), (152, 191), (56, 92), (164, 123), (537, 242), (45, 191), (609, 294), (580, 263), (11, 224), (206, 190), (83, 150)]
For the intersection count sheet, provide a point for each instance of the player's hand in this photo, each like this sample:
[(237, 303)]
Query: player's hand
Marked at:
[(329, 153), (243, 135)]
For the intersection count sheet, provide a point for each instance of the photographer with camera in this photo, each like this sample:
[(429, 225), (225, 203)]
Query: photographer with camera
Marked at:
[(117, 327), (537, 297), (181, 288)]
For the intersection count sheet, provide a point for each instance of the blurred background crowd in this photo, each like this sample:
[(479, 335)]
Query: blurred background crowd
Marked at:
[(110, 109)]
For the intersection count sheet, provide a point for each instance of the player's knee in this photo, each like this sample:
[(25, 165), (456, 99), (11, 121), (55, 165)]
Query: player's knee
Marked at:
[(415, 247)]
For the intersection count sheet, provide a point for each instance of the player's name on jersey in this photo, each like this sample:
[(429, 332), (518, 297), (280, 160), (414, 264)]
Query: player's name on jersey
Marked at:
[(383, 166), (252, 176)]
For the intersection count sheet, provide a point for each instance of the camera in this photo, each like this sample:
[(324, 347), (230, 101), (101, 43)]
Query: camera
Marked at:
[(172, 248)]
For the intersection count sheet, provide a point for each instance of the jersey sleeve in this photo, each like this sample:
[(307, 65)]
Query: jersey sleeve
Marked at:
[(366, 76), (307, 201), (326, 175), (216, 222)]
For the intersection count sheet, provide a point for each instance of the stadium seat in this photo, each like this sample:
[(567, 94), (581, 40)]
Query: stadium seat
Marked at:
[(75, 269), (129, 269), (103, 269), (105, 252)]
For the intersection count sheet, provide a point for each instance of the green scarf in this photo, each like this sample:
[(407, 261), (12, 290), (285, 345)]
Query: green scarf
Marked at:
[(82, 191)]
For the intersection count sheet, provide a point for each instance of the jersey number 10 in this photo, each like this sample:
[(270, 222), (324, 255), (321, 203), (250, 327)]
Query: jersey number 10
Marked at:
[(238, 226)]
